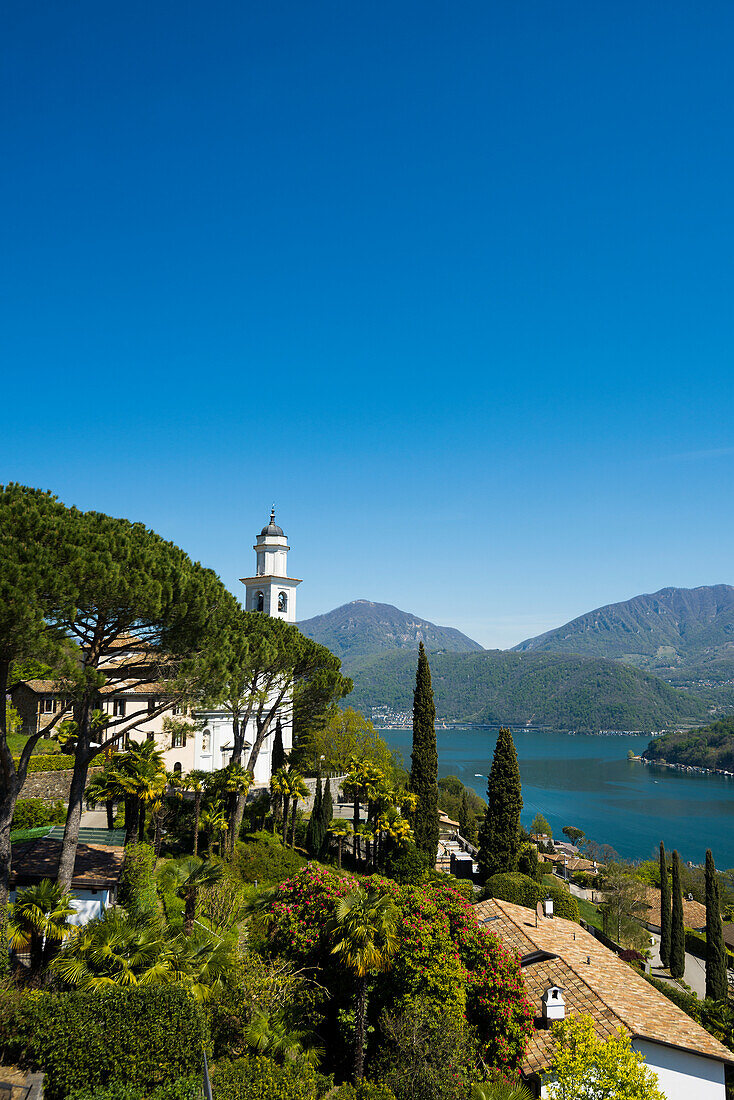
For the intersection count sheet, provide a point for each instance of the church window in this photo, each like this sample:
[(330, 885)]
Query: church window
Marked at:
[(178, 739), (282, 601), (206, 741), (177, 768), (260, 601), (118, 708)]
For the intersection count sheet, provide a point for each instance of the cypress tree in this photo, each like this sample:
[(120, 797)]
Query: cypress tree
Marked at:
[(716, 982), (313, 829), (664, 909), (327, 813), (677, 934), (424, 762), (278, 757), (499, 834)]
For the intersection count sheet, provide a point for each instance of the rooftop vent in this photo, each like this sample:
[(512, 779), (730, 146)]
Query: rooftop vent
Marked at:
[(554, 1005), (548, 907)]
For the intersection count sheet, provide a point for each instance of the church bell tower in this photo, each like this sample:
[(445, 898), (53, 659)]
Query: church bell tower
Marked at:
[(271, 590)]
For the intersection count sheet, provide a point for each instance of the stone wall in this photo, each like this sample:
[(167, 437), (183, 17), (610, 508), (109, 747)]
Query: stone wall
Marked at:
[(50, 786)]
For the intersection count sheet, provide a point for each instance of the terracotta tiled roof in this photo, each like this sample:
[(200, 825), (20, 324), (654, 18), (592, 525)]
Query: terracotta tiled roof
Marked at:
[(729, 934), (694, 914), (97, 865), (601, 979), (41, 686), (120, 687)]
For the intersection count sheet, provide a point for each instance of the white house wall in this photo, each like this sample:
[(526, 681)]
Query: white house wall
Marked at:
[(683, 1076)]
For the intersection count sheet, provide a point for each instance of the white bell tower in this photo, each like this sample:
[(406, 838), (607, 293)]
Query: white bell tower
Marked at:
[(271, 590)]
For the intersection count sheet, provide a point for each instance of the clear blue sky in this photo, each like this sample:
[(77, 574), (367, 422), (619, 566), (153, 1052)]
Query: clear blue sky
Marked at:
[(452, 284)]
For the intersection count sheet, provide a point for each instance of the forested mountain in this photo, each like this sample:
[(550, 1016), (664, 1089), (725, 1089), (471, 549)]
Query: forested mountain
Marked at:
[(682, 634), (709, 747), (554, 690), (362, 628)]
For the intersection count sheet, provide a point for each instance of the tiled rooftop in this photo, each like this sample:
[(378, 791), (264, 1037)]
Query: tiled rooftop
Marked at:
[(596, 980)]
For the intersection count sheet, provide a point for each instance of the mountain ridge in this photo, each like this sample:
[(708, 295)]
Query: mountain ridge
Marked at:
[(365, 628), (677, 633)]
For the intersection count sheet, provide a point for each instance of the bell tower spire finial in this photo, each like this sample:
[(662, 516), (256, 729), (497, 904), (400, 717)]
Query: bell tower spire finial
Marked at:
[(272, 514)]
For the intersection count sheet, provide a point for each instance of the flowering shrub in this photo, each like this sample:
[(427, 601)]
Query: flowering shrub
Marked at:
[(300, 910)]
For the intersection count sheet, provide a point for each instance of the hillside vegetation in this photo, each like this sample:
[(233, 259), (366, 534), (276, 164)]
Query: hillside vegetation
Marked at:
[(709, 747), (561, 692), (362, 628), (682, 634)]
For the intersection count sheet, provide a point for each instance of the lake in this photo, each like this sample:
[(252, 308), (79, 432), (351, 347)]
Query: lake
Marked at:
[(588, 782)]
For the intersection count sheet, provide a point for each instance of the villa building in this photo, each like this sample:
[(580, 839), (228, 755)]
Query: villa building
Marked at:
[(136, 695), (568, 972)]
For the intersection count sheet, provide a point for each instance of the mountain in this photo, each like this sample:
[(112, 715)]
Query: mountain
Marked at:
[(541, 689), (682, 634), (362, 628), (709, 747)]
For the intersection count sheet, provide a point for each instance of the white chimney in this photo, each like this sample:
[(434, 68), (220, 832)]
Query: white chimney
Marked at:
[(554, 1004), (548, 907)]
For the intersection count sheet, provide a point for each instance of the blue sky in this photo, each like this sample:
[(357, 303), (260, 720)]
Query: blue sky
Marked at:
[(451, 284)]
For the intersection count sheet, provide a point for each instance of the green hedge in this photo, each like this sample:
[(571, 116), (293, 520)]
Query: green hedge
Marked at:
[(48, 763), (142, 1037), (137, 881), (31, 813), (186, 1088), (696, 945), (687, 1002), (263, 859), (514, 887), (564, 903), (259, 1078), (365, 1090), (407, 865)]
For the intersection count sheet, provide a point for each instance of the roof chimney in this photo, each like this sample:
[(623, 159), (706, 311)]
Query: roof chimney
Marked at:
[(548, 907), (553, 1004)]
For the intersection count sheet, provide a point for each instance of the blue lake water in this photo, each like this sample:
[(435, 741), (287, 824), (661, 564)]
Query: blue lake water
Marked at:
[(588, 782)]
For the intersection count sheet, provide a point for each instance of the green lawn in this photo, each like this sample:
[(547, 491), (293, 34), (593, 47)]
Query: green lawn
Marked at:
[(589, 913), (16, 741)]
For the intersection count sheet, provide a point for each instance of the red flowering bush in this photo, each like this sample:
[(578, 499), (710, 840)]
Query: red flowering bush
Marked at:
[(444, 960)]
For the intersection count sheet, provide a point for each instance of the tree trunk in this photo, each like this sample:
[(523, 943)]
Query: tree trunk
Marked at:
[(286, 805), (197, 814), (189, 909), (141, 820), (131, 819), (339, 857), (73, 815), (293, 823), (110, 807), (158, 833), (355, 823), (359, 1028)]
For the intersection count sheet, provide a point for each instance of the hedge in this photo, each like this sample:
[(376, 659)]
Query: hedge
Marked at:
[(48, 763), (564, 903), (137, 881), (186, 1088), (31, 813), (696, 945), (262, 859), (142, 1037), (514, 887), (259, 1078)]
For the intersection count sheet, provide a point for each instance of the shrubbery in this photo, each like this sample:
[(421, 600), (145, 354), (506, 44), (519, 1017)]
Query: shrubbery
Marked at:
[(137, 882), (514, 887), (696, 945), (186, 1088), (32, 813), (260, 1078), (142, 1038), (262, 858), (46, 762), (564, 903), (407, 865)]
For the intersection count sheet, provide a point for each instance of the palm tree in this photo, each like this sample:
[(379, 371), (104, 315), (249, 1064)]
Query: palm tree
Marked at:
[(115, 950), (104, 789), (280, 787), (138, 776), (119, 950), (195, 781), (341, 830), (215, 821), (500, 1090), (364, 931), (237, 783), (187, 876), (298, 790), (270, 1035), (39, 921)]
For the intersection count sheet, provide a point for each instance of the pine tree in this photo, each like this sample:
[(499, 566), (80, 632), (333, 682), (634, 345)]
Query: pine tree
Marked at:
[(313, 829), (716, 981), (499, 834), (327, 813), (424, 760), (677, 934), (664, 909), (278, 757)]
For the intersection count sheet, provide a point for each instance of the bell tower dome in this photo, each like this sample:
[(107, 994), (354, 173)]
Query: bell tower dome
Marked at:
[(271, 590)]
